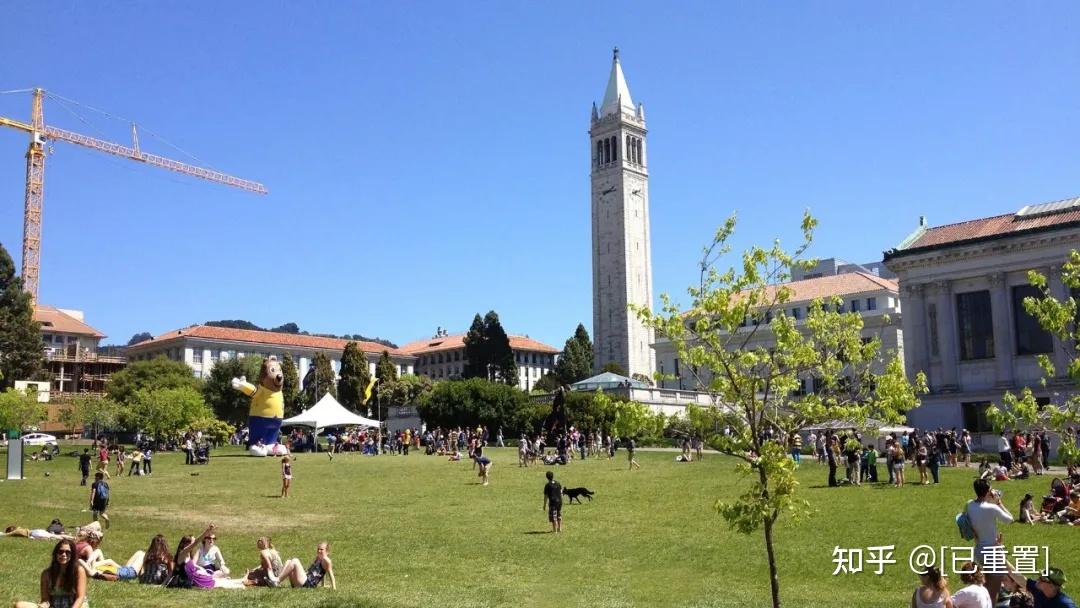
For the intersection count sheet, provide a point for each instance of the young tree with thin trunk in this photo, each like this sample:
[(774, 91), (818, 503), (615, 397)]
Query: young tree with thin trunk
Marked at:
[(754, 383)]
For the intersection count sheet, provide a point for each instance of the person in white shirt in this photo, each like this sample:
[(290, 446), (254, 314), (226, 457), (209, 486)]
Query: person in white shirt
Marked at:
[(210, 557), (973, 594), (985, 511)]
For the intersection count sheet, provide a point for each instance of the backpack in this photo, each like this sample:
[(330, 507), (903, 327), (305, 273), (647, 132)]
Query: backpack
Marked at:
[(963, 522), (103, 492)]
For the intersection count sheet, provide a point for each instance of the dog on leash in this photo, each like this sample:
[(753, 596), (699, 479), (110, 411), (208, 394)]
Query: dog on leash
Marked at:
[(578, 493)]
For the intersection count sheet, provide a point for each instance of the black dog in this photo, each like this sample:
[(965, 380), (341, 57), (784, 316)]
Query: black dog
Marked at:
[(578, 493)]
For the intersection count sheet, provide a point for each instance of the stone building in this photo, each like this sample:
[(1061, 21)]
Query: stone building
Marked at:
[(621, 248), (442, 357), (876, 300), (962, 289), (201, 346)]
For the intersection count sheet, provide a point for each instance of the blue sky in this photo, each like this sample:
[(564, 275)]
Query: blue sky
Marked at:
[(427, 161)]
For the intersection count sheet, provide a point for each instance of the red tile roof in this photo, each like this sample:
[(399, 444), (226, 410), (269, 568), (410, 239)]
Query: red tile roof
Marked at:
[(996, 226), (263, 337), (53, 319), (458, 341), (842, 284)]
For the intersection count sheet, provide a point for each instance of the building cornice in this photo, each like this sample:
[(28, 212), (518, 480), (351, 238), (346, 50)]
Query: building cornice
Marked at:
[(1030, 240)]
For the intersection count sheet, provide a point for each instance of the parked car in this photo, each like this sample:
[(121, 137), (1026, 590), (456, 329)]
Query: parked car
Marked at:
[(38, 439)]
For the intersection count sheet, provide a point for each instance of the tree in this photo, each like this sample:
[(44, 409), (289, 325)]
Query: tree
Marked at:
[(386, 372), (20, 409), (406, 390), (474, 402), (547, 383), (614, 368), (227, 403), (500, 356), (20, 336), (142, 336), (287, 328), (355, 375), (319, 380), (576, 361), (162, 412), (476, 352), (150, 375), (756, 382), (629, 418), (1059, 317), (290, 388), (96, 413)]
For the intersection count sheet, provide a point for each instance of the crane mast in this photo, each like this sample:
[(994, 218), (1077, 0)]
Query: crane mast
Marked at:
[(35, 177)]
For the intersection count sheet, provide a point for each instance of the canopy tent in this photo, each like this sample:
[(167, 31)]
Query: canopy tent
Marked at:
[(326, 413)]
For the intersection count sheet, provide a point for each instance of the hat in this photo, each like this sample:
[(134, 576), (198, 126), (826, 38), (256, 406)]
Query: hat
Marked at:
[(1054, 575)]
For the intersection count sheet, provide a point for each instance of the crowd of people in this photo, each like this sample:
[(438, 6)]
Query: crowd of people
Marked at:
[(197, 563)]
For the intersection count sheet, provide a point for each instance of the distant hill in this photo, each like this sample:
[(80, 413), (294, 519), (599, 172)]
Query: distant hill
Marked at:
[(293, 328)]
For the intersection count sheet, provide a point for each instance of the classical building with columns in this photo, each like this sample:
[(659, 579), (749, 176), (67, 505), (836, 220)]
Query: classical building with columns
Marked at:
[(201, 346), (962, 291)]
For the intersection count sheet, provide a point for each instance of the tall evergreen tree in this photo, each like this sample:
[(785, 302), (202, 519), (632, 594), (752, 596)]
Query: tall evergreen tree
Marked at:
[(500, 356), (290, 388), (20, 336), (476, 351), (320, 380), (386, 372), (355, 375), (576, 362)]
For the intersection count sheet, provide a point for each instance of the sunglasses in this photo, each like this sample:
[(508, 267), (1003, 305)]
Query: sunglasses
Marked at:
[(63, 552), (211, 538)]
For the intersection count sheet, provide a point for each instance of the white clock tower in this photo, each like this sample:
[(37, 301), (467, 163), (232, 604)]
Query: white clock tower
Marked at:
[(621, 250)]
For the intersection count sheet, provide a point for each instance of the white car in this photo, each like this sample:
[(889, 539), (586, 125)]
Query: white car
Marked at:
[(38, 439)]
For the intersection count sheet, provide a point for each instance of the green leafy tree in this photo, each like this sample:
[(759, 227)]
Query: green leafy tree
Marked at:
[(1060, 316), (20, 336), (386, 372), (472, 402), (576, 361), (355, 375), (500, 356), (476, 351), (628, 418), (227, 403), (96, 413), (614, 368), (20, 409), (162, 412), (547, 383), (319, 380), (150, 375), (217, 431), (142, 336), (757, 381), (290, 387), (409, 389)]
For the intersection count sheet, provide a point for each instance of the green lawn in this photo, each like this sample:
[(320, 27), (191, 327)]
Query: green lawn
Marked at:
[(420, 531)]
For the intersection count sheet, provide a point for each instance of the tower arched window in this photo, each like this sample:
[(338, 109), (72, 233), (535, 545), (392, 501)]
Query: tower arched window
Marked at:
[(599, 153), (607, 150), (629, 149), (640, 152), (614, 148)]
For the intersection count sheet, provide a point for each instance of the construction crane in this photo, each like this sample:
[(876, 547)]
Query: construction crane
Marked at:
[(40, 133)]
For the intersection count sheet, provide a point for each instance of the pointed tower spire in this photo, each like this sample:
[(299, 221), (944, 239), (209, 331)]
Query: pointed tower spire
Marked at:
[(617, 94)]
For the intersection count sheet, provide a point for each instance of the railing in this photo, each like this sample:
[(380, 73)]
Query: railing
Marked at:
[(80, 356)]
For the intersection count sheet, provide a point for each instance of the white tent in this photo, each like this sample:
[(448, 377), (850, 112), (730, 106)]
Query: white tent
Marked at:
[(326, 413)]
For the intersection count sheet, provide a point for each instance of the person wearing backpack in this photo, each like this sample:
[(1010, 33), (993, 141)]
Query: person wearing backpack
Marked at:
[(99, 498), (984, 512)]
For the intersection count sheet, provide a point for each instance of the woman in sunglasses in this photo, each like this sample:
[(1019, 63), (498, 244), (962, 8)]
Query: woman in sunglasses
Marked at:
[(191, 574), (209, 556), (63, 584)]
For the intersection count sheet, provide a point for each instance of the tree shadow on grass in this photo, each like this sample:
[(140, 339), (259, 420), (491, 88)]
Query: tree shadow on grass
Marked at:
[(538, 532)]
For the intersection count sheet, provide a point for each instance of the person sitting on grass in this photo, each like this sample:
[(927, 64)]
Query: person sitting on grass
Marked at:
[(63, 583), (88, 548), (157, 564), (974, 593), (316, 574), (195, 575), (108, 570), (269, 571), (1071, 513), (1046, 590), (932, 592), (1028, 515), (209, 556)]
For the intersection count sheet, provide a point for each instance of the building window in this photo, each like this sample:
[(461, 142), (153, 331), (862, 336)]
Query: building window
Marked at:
[(1031, 338), (457, 355), (795, 312), (931, 317), (196, 355), (871, 303), (855, 306), (213, 356), (976, 325), (975, 416)]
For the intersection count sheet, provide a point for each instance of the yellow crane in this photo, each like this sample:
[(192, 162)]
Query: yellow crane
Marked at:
[(40, 133)]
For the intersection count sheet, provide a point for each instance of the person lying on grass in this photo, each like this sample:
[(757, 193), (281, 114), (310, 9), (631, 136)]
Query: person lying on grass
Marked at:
[(34, 534)]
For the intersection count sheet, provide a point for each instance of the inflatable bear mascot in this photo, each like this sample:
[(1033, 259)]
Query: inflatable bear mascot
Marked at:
[(267, 403)]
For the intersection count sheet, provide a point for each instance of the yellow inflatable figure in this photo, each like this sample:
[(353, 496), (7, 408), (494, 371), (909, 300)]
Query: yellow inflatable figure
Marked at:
[(267, 402)]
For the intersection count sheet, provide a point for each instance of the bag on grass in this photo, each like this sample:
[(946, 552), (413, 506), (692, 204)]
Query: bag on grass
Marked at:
[(963, 522)]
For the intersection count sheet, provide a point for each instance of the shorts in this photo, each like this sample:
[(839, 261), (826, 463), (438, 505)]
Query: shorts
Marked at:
[(898, 466), (555, 513), (287, 477), (126, 573), (99, 507)]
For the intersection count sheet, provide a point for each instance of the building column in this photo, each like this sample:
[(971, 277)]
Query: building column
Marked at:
[(1003, 341), (947, 333), (207, 363), (917, 345), (1060, 292)]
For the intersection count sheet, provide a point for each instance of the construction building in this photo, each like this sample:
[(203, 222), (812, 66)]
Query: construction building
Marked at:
[(70, 349)]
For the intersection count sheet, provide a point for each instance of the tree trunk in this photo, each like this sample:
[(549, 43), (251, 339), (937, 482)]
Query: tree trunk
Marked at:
[(774, 582)]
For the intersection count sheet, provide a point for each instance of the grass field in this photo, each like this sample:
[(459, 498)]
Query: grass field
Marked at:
[(420, 531)]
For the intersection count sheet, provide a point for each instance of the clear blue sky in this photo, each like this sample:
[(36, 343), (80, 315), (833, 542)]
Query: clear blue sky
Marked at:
[(428, 161)]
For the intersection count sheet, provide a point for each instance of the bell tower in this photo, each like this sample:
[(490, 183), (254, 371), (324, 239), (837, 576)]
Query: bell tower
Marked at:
[(621, 249)]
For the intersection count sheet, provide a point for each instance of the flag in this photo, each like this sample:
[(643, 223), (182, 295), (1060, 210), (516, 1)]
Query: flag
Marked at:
[(367, 389)]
